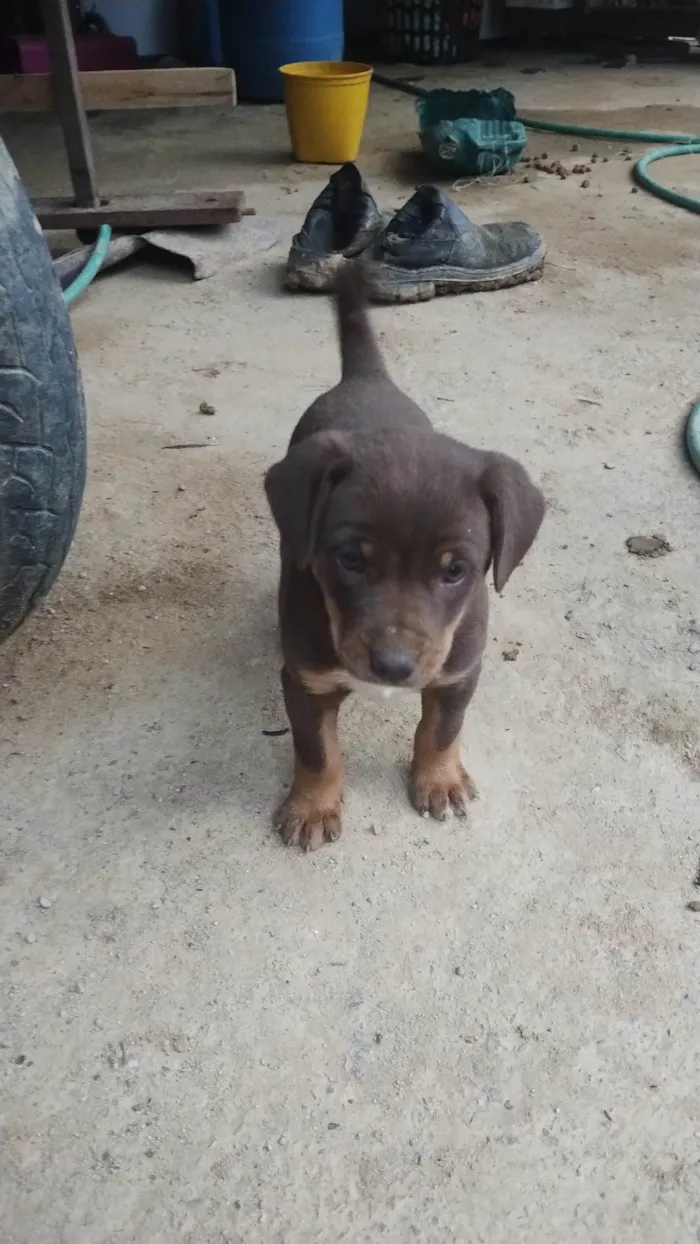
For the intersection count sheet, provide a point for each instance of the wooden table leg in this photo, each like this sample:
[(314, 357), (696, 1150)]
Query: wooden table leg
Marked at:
[(68, 100), (89, 210)]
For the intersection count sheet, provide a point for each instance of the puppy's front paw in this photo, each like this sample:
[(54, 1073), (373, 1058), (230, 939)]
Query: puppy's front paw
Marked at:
[(309, 817), (440, 785)]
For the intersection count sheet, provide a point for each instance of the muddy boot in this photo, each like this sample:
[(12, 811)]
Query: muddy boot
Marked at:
[(430, 247), (342, 222)]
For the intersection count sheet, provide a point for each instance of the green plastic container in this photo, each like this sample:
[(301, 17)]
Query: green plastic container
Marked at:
[(470, 133)]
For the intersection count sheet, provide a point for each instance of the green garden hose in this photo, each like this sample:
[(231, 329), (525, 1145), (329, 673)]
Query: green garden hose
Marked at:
[(671, 145), (92, 267), (692, 436)]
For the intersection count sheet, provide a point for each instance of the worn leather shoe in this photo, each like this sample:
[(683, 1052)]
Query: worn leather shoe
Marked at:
[(430, 247), (342, 222)]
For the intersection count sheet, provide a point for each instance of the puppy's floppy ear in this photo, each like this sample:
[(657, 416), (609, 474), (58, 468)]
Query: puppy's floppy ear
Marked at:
[(299, 486), (516, 508)]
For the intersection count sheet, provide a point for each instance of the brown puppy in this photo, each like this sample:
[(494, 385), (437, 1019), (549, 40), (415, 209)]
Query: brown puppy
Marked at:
[(387, 529)]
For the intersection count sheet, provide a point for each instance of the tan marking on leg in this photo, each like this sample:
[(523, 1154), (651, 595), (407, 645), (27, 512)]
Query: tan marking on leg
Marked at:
[(457, 676), (439, 780), (322, 682), (310, 815)]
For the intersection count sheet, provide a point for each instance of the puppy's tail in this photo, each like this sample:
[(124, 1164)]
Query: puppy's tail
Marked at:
[(358, 345)]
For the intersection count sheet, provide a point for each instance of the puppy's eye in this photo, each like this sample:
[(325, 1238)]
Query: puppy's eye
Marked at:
[(454, 571), (351, 560)]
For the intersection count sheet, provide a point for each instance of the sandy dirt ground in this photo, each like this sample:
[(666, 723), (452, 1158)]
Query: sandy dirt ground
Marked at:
[(426, 1032)]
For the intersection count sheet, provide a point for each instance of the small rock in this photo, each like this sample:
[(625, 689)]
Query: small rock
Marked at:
[(181, 488), (693, 905), (544, 155), (510, 654), (378, 1038), (574, 146), (333, 1127), (526, 180), (372, 829), (634, 190), (458, 970), (30, 938), (45, 902), (648, 546), (205, 408), (605, 159), (508, 1105), (585, 184)]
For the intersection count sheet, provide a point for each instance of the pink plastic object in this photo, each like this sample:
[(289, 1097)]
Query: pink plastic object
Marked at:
[(30, 54)]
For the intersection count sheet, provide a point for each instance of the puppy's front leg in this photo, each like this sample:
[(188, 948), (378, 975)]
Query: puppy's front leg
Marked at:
[(438, 778), (310, 815)]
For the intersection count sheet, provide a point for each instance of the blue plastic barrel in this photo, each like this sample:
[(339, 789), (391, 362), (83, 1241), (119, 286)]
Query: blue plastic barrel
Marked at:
[(257, 36)]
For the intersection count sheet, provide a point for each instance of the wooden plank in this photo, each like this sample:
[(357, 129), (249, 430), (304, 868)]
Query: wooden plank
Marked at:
[(179, 208), (68, 97), (113, 89)]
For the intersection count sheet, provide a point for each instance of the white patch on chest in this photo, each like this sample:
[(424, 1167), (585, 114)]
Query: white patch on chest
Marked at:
[(375, 692)]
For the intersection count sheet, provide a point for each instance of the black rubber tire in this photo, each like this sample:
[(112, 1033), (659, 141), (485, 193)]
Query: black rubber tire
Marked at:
[(42, 411)]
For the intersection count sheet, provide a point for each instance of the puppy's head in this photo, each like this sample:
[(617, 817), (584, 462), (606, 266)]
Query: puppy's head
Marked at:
[(398, 535)]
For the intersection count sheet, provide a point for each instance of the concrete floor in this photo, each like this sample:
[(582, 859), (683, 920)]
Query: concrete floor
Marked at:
[(423, 1032)]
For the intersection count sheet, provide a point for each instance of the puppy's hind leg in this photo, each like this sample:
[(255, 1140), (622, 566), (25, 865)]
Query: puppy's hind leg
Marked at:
[(310, 815), (439, 780)]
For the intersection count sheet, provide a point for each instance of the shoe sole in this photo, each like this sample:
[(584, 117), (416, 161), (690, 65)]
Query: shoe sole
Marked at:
[(389, 284), (315, 277)]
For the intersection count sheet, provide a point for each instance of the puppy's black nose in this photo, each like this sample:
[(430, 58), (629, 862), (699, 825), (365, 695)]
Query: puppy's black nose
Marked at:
[(394, 667)]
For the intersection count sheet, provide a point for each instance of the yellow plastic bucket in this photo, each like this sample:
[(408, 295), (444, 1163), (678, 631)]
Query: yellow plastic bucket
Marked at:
[(326, 103)]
